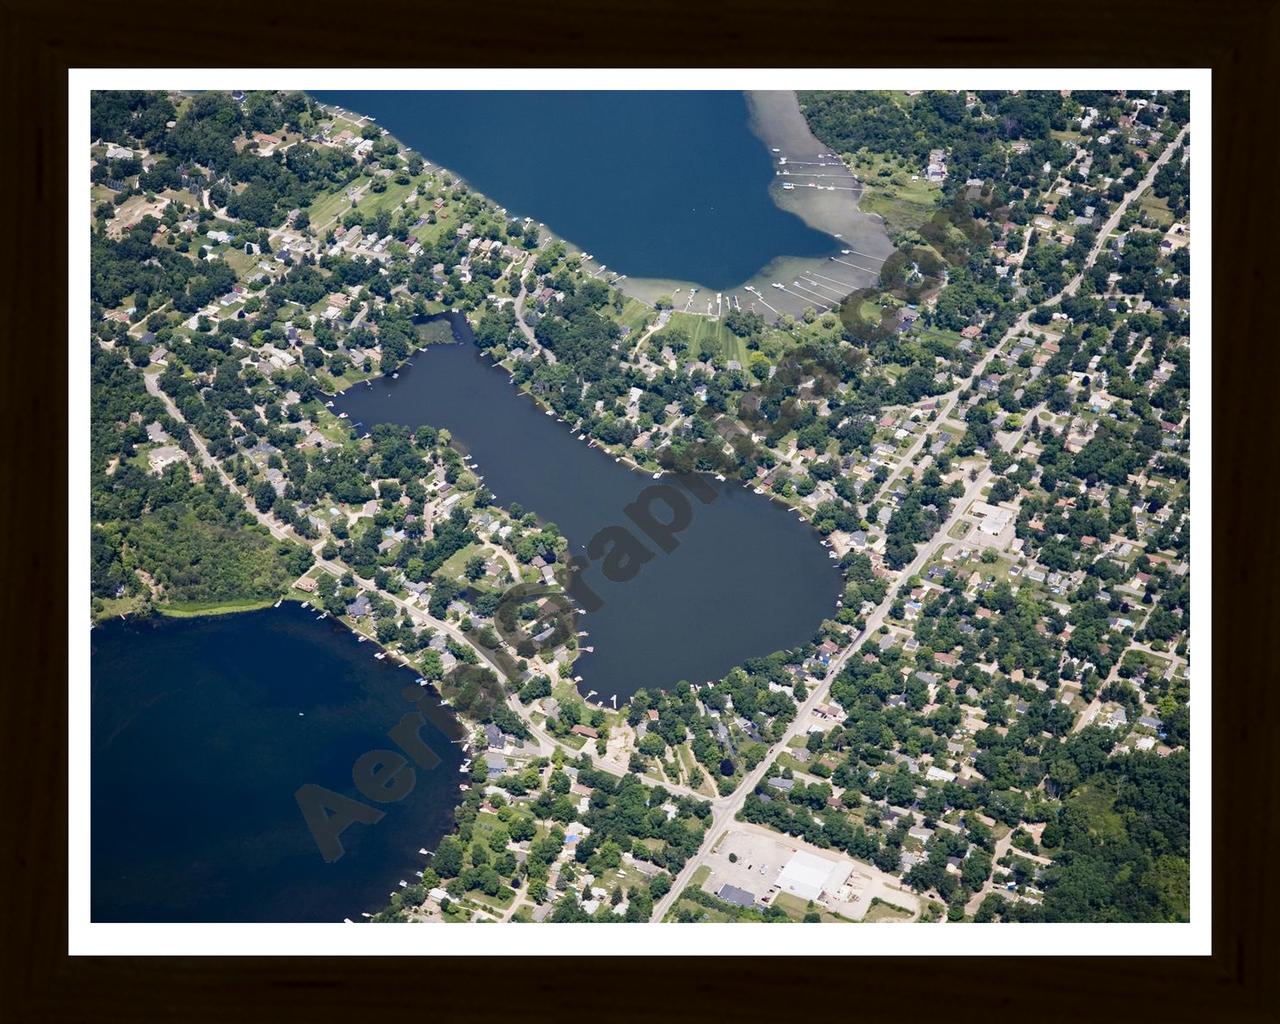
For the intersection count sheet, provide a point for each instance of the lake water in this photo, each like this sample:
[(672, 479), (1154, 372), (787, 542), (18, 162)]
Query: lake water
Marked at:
[(203, 730), (747, 578), (670, 185)]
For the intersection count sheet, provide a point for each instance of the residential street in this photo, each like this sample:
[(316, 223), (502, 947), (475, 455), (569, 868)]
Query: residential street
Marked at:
[(726, 808)]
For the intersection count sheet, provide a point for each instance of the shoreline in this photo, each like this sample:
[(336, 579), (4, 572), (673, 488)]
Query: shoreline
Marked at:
[(776, 120), (774, 117)]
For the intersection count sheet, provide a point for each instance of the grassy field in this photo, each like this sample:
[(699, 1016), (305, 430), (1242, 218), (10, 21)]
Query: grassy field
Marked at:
[(634, 314), (1156, 209), (327, 207), (882, 912), (708, 337), (902, 203), (796, 908), (112, 606), (1099, 807), (371, 203), (455, 563), (193, 609)]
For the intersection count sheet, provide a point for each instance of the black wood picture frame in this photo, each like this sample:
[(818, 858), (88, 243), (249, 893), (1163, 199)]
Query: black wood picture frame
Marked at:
[(1238, 39)]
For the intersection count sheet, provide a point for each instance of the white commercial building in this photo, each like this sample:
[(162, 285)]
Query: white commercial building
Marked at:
[(808, 876)]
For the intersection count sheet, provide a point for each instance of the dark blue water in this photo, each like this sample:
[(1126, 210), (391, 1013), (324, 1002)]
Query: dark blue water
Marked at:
[(746, 578), (655, 184), (203, 730)]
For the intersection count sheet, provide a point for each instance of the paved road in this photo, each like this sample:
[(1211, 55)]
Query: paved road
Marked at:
[(725, 809)]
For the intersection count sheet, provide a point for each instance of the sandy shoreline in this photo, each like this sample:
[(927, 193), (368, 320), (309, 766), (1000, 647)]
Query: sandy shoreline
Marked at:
[(817, 282)]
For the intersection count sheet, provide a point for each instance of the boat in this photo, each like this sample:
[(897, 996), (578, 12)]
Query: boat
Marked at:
[(362, 639), (777, 285), (380, 655), (788, 186), (424, 851), (656, 475)]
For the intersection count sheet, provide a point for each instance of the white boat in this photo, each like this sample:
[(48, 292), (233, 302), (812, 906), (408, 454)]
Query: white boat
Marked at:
[(788, 186), (656, 475)]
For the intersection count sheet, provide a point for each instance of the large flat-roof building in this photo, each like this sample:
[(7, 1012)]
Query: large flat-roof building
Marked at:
[(808, 876)]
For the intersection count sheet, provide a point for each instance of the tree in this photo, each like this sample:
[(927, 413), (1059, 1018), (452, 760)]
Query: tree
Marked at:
[(475, 567), (447, 861), (264, 496)]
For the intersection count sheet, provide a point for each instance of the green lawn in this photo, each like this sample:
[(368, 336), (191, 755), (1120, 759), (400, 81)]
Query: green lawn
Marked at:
[(709, 337), (112, 606), (187, 610), (903, 204), (325, 208), (634, 314), (371, 203), (881, 912), (796, 908), (1156, 209)]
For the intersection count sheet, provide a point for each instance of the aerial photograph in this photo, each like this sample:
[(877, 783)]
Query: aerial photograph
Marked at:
[(638, 506)]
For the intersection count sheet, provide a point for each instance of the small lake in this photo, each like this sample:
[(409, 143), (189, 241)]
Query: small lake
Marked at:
[(202, 731), (747, 578), (671, 185)]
